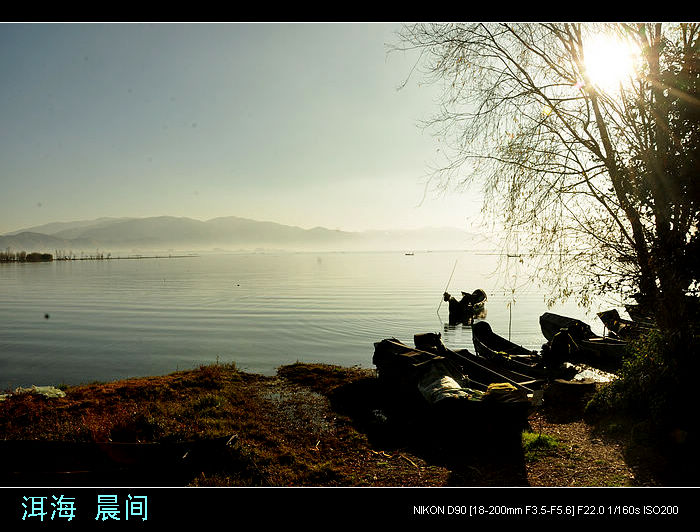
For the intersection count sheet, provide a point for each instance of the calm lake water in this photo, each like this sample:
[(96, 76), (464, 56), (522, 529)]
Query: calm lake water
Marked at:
[(114, 319)]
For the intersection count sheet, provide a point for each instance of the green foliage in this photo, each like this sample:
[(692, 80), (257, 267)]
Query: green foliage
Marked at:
[(535, 446), (657, 384)]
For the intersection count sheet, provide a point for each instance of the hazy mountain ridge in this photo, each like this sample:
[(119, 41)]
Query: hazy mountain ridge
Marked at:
[(65, 227), (30, 242), (227, 233)]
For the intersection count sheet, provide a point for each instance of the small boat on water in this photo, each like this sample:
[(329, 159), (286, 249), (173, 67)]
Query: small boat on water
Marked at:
[(584, 344), (467, 309)]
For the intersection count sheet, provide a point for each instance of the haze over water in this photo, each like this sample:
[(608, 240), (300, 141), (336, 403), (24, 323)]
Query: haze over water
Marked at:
[(115, 319)]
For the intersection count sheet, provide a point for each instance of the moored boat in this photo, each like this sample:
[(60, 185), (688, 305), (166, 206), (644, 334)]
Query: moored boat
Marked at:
[(444, 405), (493, 347), (479, 369), (639, 315), (551, 324), (490, 371), (583, 344), (408, 368), (620, 327)]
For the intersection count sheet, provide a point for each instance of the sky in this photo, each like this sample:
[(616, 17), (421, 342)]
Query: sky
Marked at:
[(300, 124)]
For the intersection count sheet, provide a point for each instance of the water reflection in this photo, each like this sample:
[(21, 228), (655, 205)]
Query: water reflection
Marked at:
[(586, 372), (457, 336), (79, 321)]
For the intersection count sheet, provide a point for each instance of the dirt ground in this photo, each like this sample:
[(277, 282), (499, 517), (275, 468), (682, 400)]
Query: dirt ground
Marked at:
[(319, 425), (397, 453)]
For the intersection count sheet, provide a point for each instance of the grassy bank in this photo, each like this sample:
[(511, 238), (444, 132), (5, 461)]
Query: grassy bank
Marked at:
[(315, 425)]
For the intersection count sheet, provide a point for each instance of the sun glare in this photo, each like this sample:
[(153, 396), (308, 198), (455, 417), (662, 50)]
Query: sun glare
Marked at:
[(609, 62)]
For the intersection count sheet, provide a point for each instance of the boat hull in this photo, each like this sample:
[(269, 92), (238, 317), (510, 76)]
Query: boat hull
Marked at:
[(420, 386), (584, 345), (551, 324), (507, 354)]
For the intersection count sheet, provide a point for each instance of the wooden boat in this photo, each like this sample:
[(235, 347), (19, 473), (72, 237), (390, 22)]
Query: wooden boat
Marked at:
[(638, 315), (398, 363), (442, 405), (467, 309), (27, 462), (493, 347), (489, 371), (586, 346), (622, 328), (481, 370), (405, 366), (553, 323), (402, 367)]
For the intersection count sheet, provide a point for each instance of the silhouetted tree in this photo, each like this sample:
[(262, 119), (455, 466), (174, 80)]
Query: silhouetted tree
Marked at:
[(602, 183)]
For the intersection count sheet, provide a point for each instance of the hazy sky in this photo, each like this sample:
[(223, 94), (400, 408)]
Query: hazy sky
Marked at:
[(299, 124)]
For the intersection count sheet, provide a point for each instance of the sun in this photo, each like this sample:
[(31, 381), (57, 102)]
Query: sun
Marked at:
[(609, 62)]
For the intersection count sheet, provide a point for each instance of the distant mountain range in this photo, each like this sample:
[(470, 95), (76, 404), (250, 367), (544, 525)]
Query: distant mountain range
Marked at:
[(167, 233)]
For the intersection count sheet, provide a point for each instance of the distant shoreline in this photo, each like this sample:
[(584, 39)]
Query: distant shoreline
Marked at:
[(47, 257), (131, 257)]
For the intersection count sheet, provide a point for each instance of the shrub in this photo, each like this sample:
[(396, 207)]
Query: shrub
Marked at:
[(656, 384)]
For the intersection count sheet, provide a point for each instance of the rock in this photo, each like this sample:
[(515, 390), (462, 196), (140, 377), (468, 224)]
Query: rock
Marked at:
[(568, 393), (46, 391)]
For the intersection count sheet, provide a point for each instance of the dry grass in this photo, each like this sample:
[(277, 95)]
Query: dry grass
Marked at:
[(316, 425)]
